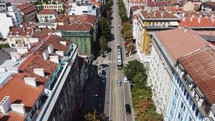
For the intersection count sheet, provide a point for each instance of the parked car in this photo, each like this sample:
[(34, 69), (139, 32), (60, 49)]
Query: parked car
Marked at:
[(119, 83), (128, 109), (125, 79)]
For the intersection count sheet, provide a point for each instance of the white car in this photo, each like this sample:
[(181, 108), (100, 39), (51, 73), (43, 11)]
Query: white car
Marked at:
[(125, 80)]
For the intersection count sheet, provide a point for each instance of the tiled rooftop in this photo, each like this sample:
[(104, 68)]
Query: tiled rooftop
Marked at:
[(200, 66), (179, 43), (18, 90), (157, 14), (26, 7), (47, 11), (197, 22)]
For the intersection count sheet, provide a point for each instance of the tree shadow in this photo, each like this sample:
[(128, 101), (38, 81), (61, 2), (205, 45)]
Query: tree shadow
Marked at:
[(111, 37)]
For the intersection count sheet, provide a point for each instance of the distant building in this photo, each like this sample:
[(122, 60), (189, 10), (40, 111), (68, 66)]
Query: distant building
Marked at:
[(10, 17), (28, 11), (4, 4), (38, 91), (19, 2), (147, 21), (81, 8), (46, 15), (52, 6), (82, 30)]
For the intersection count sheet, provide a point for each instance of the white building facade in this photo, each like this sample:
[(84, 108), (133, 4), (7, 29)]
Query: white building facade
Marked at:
[(83, 8), (12, 17)]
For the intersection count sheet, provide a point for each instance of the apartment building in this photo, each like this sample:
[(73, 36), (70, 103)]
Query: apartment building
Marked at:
[(192, 97), (167, 47), (147, 21), (10, 17), (28, 11), (80, 29), (38, 91), (47, 15), (80, 8), (4, 4)]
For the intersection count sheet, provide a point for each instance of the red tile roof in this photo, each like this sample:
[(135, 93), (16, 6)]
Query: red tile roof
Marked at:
[(134, 8), (183, 42), (137, 1), (157, 14), (27, 7), (156, 3), (47, 11), (200, 66), (20, 31), (18, 90), (196, 22)]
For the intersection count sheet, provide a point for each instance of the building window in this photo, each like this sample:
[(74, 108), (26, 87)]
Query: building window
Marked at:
[(190, 119), (182, 104), (197, 112), (179, 116), (193, 107)]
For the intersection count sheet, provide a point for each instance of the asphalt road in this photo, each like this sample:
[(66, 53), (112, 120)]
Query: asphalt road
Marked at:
[(116, 97)]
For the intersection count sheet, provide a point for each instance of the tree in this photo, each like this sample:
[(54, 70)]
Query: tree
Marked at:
[(131, 47), (103, 43), (139, 77), (133, 67), (126, 27), (94, 116), (105, 27), (128, 36)]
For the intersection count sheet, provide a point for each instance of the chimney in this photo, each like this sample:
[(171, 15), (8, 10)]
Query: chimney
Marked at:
[(186, 28), (39, 71), (54, 58), (15, 56), (61, 53), (183, 19), (50, 49), (19, 108), (2, 69), (17, 33), (29, 45), (22, 50), (154, 13), (162, 14), (63, 42), (212, 19), (191, 18), (5, 104), (199, 19), (30, 81), (45, 55)]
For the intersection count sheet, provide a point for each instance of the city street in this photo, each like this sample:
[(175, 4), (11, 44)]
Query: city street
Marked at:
[(106, 96)]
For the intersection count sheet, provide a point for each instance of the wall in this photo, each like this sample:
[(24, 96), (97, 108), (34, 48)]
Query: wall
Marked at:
[(4, 28)]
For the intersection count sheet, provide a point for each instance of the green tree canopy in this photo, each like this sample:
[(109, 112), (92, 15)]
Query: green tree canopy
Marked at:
[(133, 67), (126, 27), (103, 43), (128, 36), (139, 77), (105, 27), (131, 47)]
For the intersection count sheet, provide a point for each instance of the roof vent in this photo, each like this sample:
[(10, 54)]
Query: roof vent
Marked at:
[(17, 33), (186, 28), (5, 104), (46, 55), (29, 45), (30, 81), (50, 49), (2, 69), (15, 56), (19, 108), (61, 53), (63, 42), (39, 71), (22, 50), (54, 58)]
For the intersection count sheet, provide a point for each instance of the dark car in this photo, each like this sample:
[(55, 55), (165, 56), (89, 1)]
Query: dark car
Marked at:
[(128, 109)]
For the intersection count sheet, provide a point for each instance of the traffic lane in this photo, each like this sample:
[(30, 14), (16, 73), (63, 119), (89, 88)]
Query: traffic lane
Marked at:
[(127, 99)]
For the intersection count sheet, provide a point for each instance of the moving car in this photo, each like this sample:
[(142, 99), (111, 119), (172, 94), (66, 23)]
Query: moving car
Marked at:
[(119, 83), (125, 79), (128, 109)]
